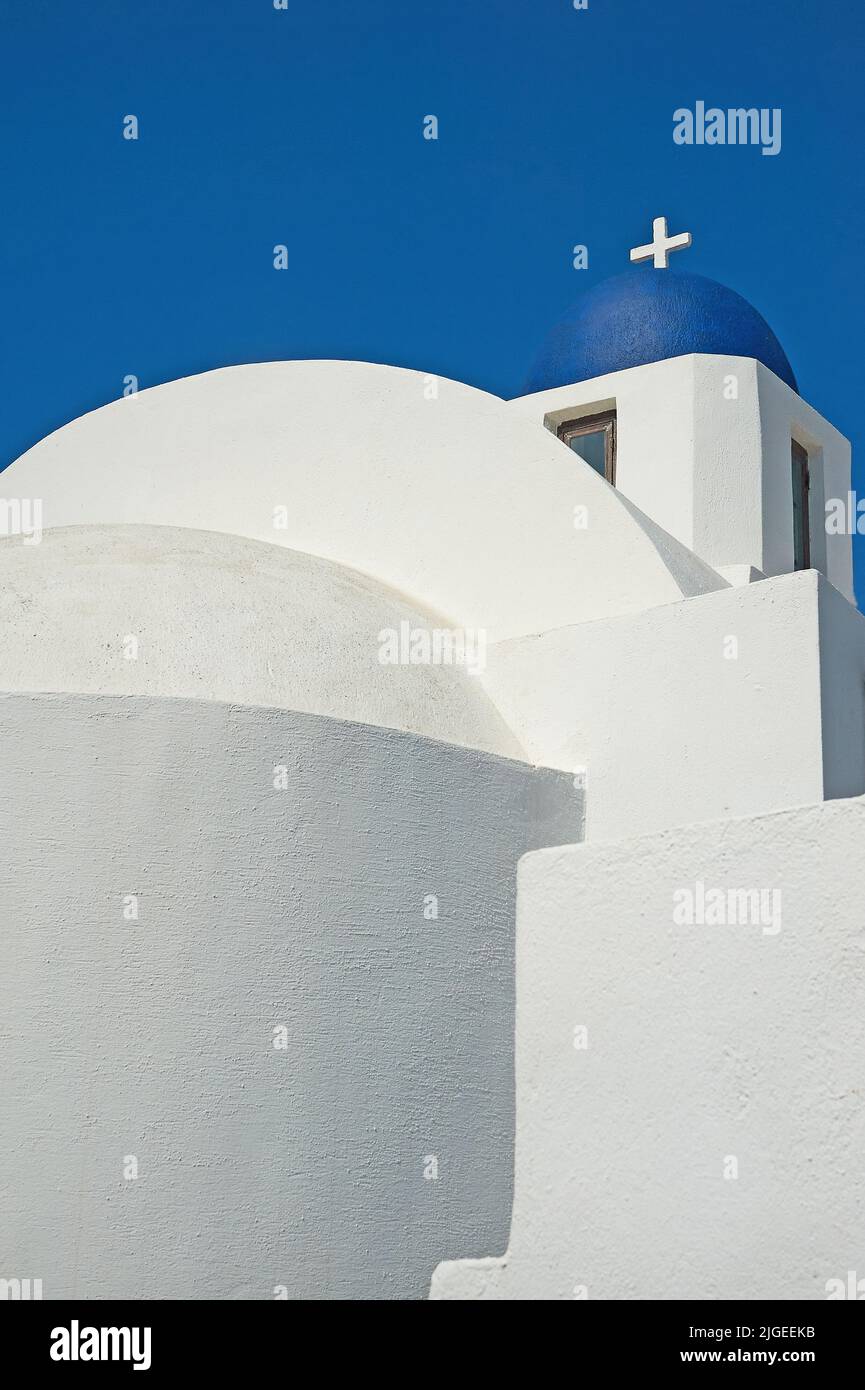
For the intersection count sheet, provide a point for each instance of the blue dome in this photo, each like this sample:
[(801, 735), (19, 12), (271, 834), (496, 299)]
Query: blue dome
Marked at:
[(647, 315)]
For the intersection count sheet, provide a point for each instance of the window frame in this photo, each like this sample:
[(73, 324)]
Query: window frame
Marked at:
[(604, 421), (800, 469)]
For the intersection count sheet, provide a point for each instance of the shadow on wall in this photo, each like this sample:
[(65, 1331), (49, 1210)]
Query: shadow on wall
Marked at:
[(294, 1067)]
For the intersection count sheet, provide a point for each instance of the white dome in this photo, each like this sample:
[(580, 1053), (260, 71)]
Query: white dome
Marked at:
[(440, 491), (219, 617)]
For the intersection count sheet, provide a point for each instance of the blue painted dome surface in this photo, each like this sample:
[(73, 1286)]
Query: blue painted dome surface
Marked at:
[(647, 315)]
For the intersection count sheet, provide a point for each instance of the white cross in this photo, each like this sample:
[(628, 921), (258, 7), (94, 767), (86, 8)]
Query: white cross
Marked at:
[(661, 245)]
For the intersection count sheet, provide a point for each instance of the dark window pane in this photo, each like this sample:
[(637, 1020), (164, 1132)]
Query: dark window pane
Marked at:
[(801, 534), (593, 437), (593, 448)]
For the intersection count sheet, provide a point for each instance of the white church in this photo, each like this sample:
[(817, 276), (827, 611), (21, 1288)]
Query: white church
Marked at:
[(432, 829)]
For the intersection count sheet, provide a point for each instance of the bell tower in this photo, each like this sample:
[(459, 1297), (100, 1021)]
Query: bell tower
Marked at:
[(677, 391)]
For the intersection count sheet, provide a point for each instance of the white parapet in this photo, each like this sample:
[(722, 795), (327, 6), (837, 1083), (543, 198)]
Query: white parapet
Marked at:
[(750, 699)]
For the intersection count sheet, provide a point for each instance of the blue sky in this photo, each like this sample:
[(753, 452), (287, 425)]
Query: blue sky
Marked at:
[(303, 127)]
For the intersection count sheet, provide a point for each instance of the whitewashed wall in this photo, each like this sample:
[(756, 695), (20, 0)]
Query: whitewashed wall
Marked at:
[(707, 1142), (258, 908), (842, 694), (220, 617), (437, 490), (713, 467), (671, 730)]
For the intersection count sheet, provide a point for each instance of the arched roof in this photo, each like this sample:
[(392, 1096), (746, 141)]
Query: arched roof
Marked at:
[(437, 490), (219, 617)]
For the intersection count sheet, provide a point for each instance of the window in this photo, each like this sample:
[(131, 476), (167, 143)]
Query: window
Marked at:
[(594, 439), (801, 507)]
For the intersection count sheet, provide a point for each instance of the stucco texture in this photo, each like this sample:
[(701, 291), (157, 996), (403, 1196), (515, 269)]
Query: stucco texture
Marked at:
[(707, 1141), (221, 617), (260, 907)]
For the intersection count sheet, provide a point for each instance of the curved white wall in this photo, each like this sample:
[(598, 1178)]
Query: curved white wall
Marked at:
[(219, 617), (258, 908), (453, 500)]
